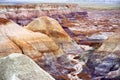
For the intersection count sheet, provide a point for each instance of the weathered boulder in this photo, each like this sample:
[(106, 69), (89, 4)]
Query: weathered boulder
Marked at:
[(31, 43), (20, 67), (54, 30)]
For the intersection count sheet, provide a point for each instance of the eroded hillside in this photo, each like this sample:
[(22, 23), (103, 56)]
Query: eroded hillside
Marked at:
[(67, 41)]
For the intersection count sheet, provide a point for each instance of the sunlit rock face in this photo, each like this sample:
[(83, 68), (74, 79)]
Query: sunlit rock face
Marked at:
[(20, 67), (50, 27), (53, 29), (6, 45), (30, 43)]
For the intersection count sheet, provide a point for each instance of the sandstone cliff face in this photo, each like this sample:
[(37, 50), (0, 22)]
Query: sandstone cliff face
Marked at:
[(53, 29), (31, 43), (20, 67)]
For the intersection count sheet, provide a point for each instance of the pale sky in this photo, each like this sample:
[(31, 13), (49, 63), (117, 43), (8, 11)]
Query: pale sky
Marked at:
[(33, 1), (60, 1)]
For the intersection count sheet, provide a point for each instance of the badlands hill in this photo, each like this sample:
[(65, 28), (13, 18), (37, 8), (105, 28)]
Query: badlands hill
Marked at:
[(66, 41), (15, 38), (47, 43)]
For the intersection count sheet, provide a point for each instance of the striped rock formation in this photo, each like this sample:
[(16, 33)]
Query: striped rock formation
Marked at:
[(30, 43), (53, 29)]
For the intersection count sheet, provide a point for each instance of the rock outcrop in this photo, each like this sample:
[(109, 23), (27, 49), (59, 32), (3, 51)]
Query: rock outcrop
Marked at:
[(31, 43), (6, 45), (50, 27), (53, 29), (111, 45), (20, 67), (57, 67), (104, 63)]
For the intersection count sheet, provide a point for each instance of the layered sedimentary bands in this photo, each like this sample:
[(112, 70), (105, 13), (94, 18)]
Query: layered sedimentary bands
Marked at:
[(54, 30), (30, 43), (68, 42)]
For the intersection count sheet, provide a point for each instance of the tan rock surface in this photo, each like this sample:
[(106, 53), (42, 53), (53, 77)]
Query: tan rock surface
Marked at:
[(112, 44), (31, 43), (7, 46), (50, 27), (54, 30)]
